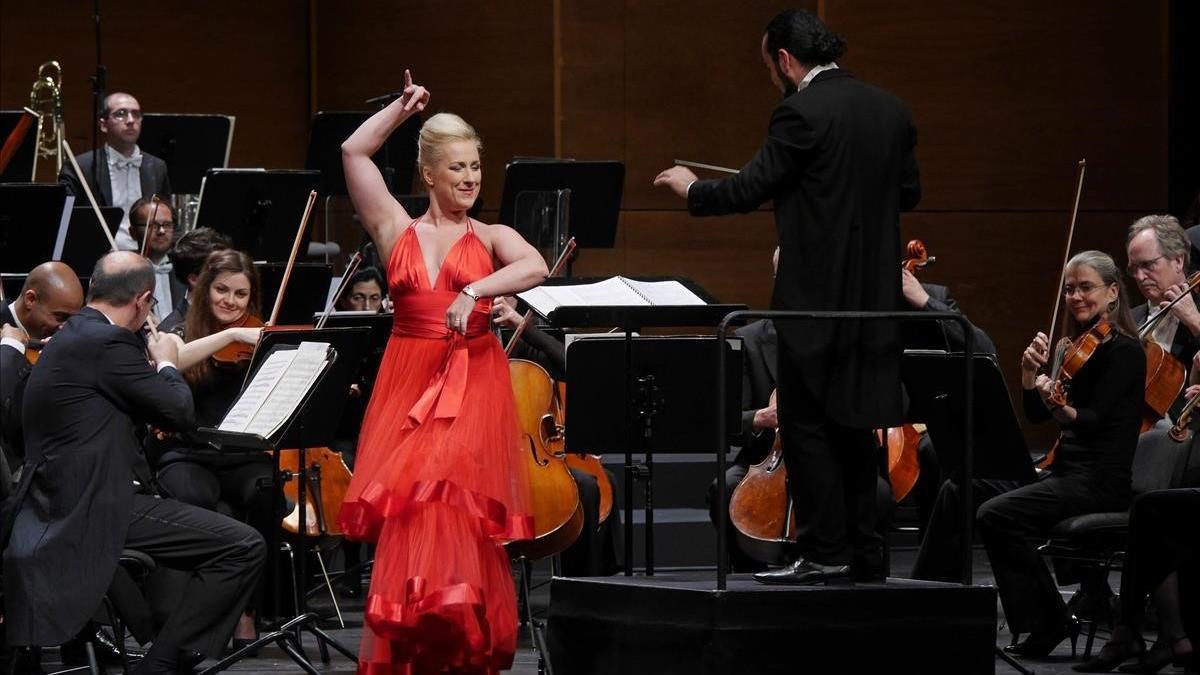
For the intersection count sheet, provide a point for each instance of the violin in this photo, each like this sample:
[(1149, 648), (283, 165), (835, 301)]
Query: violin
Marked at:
[(1165, 375), (237, 354), (328, 479)]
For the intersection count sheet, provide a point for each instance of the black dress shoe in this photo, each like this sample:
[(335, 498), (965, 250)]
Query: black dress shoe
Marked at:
[(1041, 643), (74, 651), (803, 572)]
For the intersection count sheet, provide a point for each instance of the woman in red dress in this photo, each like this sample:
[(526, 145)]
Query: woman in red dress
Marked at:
[(438, 482)]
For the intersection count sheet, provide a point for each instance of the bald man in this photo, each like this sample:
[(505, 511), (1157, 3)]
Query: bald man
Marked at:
[(125, 174), (87, 491)]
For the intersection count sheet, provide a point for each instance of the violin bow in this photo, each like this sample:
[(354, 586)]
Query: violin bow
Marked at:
[(558, 265), (149, 225), (351, 268), (287, 272), (87, 190), (1066, 252)]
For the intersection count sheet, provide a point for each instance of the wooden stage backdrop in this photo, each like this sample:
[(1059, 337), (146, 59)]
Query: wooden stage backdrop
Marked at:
[(1006, 98)]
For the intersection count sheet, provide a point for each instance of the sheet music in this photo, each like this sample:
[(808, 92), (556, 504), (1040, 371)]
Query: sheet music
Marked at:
[(277, 390), (669, 292)]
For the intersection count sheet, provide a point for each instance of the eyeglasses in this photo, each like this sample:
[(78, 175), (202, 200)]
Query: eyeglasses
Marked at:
[(1083, 289), (152, 301), (1144, 265), (158, 227), (122, 113)]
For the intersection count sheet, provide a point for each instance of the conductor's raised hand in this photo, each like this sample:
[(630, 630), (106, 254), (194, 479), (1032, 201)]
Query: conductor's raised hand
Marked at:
[(677, 178), (414, 97)]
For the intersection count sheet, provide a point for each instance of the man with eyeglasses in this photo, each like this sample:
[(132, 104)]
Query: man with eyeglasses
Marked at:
[(127, 174), (155, 225), (1157, 251)]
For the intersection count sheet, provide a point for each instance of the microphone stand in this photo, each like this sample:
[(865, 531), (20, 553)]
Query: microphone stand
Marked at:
[(99, 84)]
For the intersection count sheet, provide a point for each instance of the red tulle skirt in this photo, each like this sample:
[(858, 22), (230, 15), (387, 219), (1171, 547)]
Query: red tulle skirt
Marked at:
[(440, 496)]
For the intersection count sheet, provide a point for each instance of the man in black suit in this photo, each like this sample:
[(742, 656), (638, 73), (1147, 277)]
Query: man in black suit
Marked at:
[(838, 163), (126, 173), (50, 295), (87, 492)]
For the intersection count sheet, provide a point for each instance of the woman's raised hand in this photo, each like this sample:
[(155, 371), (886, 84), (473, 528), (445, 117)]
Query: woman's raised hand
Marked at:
[(414, 97)]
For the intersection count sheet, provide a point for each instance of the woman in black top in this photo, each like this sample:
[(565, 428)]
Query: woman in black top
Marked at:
[(1091, 472)]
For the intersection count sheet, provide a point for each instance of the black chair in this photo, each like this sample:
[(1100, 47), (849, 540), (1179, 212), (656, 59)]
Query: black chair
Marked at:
[(1094, 543)]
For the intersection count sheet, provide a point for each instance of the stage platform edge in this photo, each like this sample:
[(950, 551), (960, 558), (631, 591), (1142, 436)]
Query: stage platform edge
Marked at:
[(680, 623)]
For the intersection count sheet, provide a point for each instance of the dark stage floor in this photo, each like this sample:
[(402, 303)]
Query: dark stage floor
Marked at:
[(271, 660)]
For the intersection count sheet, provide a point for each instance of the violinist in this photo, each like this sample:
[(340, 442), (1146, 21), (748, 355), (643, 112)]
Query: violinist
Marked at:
[(187, 259), (154, 223), (90, 493), (221, 312), (51, 295), (1099, 417)]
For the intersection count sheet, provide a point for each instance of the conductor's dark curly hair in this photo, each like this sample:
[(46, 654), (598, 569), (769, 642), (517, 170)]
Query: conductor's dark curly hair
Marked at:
[(805, 37)]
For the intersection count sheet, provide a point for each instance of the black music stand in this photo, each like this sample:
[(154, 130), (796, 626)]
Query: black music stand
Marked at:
[(85, 243), (31, 217), (20, 169), (190, 145), (311, 425), (934, 383), (530, 197), (306, 294), (258, 209), (396, 159), (629, 319)]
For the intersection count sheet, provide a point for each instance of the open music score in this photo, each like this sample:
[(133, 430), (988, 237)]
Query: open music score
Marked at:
[(614, 292), (277, 390)]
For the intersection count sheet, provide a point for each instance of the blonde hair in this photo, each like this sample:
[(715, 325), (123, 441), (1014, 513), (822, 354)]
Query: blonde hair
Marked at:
[(439, 130)]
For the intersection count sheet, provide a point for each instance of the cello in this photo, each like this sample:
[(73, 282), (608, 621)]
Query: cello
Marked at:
[(761, 509), (903, 464)]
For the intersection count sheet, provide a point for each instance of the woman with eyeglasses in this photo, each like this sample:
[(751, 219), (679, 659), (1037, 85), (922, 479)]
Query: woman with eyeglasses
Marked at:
[(1099, 419)]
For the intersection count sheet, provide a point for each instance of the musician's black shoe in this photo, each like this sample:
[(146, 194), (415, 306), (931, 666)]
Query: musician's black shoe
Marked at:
[(804, 572), (74, 651)]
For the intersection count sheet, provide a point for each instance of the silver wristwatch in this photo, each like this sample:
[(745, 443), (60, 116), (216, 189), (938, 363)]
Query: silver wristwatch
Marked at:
[(470, 293)]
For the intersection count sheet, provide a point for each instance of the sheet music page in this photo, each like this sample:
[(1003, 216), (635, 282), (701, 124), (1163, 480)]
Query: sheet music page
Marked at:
[(255, 394), (669, 292), (290, 388), (610, 292)]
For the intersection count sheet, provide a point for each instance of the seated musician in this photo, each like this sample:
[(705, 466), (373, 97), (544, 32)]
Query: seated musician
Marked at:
[(226, 293), (126, 174), (759, 415), (154, 223), (595, 552), (365, 292), (1099, 420), (50, 295), (187, 259), (88, 492)]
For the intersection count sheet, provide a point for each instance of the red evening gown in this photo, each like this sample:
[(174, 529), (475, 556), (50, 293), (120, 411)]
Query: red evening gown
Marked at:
[(438, 482)]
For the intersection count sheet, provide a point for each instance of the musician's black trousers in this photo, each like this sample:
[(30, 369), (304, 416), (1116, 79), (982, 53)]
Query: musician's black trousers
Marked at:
[(1162, 540), (222, 558), (832, 476)]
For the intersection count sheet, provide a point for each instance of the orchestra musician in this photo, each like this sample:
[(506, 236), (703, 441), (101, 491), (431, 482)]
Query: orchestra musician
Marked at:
[(365, 292), (226, 295), (87, 491), (1091, 473), (838, 162), (126, 174), (168, 289), (50, 295), (437, 481), (188, 256)]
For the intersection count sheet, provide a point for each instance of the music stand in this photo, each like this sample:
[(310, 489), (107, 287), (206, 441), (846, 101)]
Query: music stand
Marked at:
[(630, 319), (311, 425), (306, 294), (31, 217), (85, 243), (396, 159), (934, 384), (258, 209), (20, 169), (190, 144), (595, 199)]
